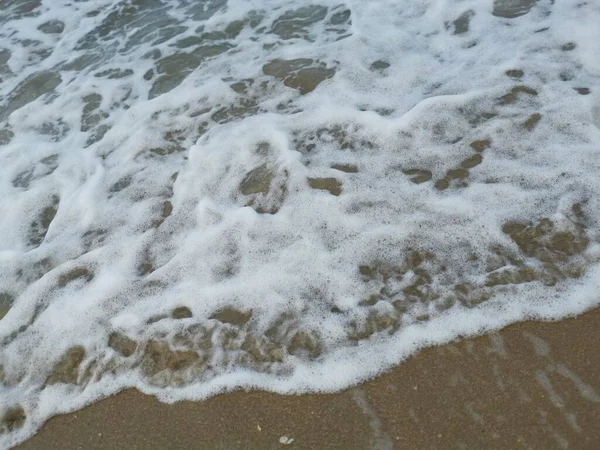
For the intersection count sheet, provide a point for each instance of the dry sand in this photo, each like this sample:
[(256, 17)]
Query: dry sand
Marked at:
[(532, 385)]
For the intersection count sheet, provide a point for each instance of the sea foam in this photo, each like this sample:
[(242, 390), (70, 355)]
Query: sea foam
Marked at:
[(284, 195)]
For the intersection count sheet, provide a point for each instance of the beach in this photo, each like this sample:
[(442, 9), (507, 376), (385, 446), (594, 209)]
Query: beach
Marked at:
[(298, 223), (531, 385)]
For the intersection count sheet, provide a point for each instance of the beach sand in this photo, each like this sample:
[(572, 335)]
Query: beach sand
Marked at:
[(532, 385)]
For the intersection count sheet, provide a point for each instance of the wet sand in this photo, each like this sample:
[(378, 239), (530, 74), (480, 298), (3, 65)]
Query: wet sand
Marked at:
[(532, 385)]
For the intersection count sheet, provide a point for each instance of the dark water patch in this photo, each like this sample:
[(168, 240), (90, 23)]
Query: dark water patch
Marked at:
[(93, 239), (12, 419), (244, 107), (302, 74), (148, 16), (122, 344), (342, 16), (557, 249), (294, 24), (82, 62), (190, 41), (57, 130), (480, 145), (145, 265), (511, 9), (331, 185), (67, 369), (512, 275), (513, 96), (166, 210), (384, 111), (6, 302), (418, 176), (241, 87), (18, 9), (347, 168), (6, 135), (152, 54), (159, 357), (4, 57), (260, 353), (174, 142), (532, 121), (90, 116), (379, 65), (454, 177), (181, 312), (374, 323), (23, 179), (29, 90), (258, 180), (166, 150), (343, 136), (265, 187), (114, 74), (476, 118), (461, 24), (173, 69), (232, 316), (233, 29), (457, 174), (79, 273), (97, 134), (205, 10), (121, 184), (306, 344), (32, 271), (566, 75), (43, 168), (547, 242), (165, 33), (52, 27), (39, 227), (442, 184), (514, 73), (471, 161)]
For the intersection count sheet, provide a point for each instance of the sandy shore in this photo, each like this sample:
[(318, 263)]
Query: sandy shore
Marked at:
[(532, 385)]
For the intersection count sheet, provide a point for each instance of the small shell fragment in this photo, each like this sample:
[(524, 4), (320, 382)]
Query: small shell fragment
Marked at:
[(285, 440)]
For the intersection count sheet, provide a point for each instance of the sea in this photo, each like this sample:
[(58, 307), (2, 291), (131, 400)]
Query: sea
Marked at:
[(199, 196)]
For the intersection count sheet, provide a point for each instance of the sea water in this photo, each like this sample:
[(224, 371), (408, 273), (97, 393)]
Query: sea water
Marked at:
[(199, 196)]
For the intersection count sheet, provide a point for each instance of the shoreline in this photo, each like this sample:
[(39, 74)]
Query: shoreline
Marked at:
[(530, 384)]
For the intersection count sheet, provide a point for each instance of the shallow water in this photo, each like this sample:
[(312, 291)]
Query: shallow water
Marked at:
[(288, 195)]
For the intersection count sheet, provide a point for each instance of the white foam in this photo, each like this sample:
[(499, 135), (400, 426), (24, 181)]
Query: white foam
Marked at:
[(99, 158)]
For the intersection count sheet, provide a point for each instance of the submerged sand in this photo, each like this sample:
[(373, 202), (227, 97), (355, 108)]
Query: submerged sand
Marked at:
[(531, 385)]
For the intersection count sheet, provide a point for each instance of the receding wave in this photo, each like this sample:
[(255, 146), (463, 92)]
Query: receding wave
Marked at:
[(292, 196)]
